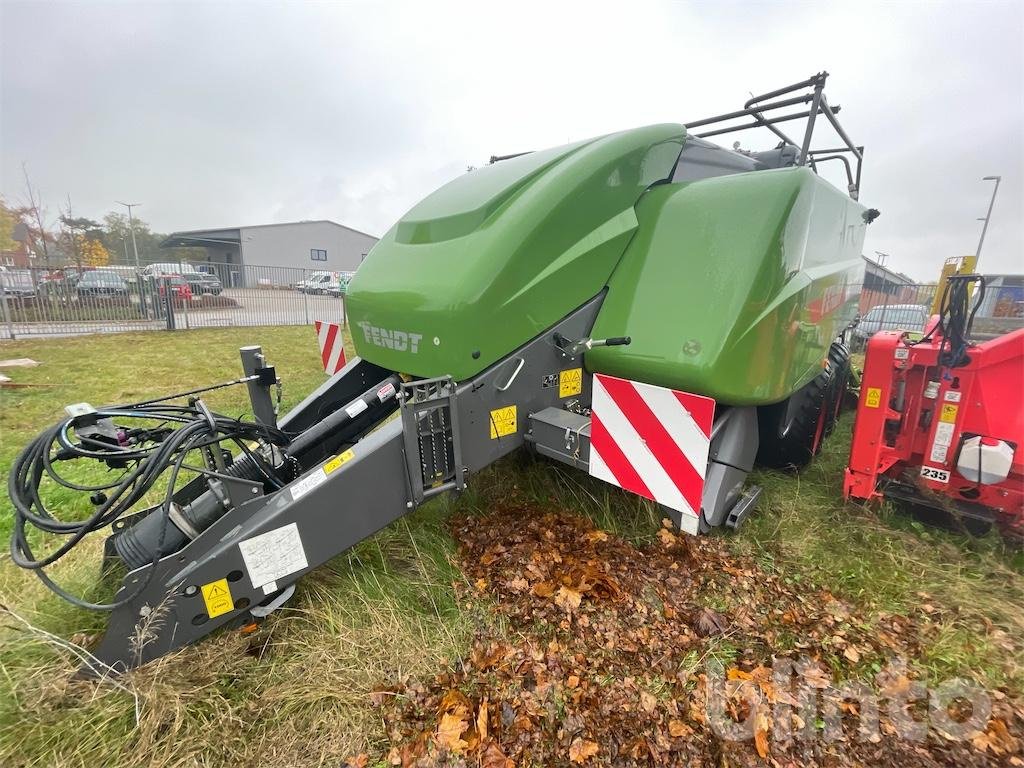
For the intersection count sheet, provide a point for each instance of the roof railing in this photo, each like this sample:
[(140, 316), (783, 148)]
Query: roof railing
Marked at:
[(764, 114)]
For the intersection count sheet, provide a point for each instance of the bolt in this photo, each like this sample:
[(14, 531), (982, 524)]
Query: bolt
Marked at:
[(408, 505), (190, 590), (255, 491)]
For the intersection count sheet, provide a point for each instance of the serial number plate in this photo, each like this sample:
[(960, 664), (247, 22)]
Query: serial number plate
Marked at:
[(935, 475)]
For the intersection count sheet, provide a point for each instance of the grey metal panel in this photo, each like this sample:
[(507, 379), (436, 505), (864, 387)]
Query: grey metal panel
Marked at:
[(519, 380), (561, 435), (359, 498)]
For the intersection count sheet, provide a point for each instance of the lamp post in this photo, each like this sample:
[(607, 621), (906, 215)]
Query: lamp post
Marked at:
[(984, 229), (131, 226)]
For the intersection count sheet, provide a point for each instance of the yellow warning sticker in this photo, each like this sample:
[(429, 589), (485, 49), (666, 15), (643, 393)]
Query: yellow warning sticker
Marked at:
[(338, 460), (949, 413), (873, 398), (503, 421), (217, 596), (570, 382)]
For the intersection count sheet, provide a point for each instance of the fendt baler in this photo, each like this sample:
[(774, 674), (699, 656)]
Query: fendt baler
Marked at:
[(645, 306)]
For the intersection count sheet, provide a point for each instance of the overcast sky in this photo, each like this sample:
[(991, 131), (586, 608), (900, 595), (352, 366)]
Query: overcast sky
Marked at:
[(220, 114)]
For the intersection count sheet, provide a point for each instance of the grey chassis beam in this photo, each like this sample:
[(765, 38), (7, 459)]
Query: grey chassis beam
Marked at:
[(335, 504)]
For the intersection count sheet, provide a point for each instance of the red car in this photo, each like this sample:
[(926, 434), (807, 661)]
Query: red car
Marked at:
[(179, 287)]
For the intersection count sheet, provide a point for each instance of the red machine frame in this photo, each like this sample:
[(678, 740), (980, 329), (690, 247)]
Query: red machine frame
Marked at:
[(914, 415)]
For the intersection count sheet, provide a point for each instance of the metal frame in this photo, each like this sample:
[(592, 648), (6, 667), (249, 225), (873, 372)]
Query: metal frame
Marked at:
[(758, 108)]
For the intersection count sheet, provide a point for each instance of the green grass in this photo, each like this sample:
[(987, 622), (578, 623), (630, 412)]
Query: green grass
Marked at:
[(298, 691)]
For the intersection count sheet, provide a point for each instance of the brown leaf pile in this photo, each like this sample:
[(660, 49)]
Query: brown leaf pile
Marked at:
[(601, 661)]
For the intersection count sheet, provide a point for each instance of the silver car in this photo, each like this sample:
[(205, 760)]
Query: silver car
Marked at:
[(891, 317)]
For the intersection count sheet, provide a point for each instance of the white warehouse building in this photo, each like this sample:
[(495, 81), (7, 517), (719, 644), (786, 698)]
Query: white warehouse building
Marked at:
[(274, 253)]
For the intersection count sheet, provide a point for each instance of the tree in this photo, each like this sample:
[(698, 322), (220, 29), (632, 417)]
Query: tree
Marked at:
[(39, 238), (93, 254), (8, 218)]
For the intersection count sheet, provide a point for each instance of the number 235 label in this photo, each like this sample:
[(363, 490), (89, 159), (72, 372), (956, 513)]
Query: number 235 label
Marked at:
[(935, 475)]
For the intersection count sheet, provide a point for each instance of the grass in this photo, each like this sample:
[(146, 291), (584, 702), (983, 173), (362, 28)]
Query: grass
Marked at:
[(299, 691)]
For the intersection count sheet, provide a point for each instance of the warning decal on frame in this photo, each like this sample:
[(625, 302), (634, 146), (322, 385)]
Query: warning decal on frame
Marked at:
[(570, 382), (273, 555), (873, 398), (337, 461), (949, 413), (503, 421), (217, 596)]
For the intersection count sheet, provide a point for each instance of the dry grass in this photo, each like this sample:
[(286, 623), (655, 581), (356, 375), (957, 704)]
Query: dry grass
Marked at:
[(298, 691)]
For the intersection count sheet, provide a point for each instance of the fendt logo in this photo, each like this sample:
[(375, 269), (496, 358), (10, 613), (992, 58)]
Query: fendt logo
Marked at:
[(400, 341)]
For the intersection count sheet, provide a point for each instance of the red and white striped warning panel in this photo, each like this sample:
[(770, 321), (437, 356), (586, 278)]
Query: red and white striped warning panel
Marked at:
[(332, 346), (652, 441)]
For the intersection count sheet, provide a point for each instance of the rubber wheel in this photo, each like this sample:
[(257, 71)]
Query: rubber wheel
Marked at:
[(792, 445), (839, 360)]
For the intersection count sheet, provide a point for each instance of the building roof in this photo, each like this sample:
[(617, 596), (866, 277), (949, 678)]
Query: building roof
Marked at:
[(898, 277), (188, 238)]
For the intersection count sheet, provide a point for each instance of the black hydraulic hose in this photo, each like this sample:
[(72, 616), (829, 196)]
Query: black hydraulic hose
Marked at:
[(138, 545), (144, 458)]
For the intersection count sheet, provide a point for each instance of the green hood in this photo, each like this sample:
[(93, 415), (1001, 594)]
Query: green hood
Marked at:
[(496, 256)]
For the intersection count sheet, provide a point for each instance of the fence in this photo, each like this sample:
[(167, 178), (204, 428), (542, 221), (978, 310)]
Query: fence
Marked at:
[(39, 302), (42, 302)]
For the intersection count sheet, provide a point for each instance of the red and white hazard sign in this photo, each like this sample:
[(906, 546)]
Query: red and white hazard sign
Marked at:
[(652, 441), (332, 346)]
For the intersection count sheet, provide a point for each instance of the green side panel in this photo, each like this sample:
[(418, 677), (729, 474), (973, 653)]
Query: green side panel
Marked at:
[(490, 260), (734, 287)]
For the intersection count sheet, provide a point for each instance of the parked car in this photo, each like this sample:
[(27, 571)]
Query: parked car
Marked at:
[(179, 287), (199, 282), (319, 283), (17, 283), (891, 317), (101, 284)]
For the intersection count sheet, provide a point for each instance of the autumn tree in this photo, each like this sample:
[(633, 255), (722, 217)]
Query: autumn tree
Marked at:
[(92, 251)]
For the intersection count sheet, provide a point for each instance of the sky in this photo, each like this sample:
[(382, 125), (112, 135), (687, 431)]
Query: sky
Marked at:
[(227, 114)]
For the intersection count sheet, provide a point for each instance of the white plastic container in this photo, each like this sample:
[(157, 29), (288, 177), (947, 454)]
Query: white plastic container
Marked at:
[(987, 457)]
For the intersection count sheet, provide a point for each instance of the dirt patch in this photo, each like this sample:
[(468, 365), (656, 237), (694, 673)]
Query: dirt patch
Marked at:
[(678, 653)]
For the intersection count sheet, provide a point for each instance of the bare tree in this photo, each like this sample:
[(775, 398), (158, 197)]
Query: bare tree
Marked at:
[(38, 213)]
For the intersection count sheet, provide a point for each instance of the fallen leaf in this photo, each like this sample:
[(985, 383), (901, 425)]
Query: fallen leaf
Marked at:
[(710, 622), (667, 537), (449, 733), (543, 589), (677, 729), (493, 757), (852, 654), (568, 599), (761, 726), (595, 536), (572, 681), (519, 584), (481, 720), (481, 585), (359, 761), (581, 750), (648, 702)]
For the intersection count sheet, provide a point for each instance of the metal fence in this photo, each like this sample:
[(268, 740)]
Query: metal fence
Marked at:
[(40, 302)]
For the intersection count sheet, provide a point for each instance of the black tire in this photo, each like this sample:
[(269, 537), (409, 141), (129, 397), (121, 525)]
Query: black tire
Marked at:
[(839, 360), (791, 432)]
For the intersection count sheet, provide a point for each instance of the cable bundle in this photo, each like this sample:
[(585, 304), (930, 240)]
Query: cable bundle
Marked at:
[(956, 318), (145, 452)]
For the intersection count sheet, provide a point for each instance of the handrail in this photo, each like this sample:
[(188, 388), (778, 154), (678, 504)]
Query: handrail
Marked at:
[(763, 109)]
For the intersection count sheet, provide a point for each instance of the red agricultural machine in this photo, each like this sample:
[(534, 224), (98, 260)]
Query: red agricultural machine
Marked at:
[(940, 421)]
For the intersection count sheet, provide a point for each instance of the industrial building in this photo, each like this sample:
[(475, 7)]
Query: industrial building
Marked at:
[(276, 253)]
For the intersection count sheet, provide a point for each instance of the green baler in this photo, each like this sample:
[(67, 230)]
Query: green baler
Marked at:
[(644, 306)]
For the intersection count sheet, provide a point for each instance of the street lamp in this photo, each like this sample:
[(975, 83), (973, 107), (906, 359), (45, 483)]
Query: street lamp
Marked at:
[(131, 226), (984, 229)]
